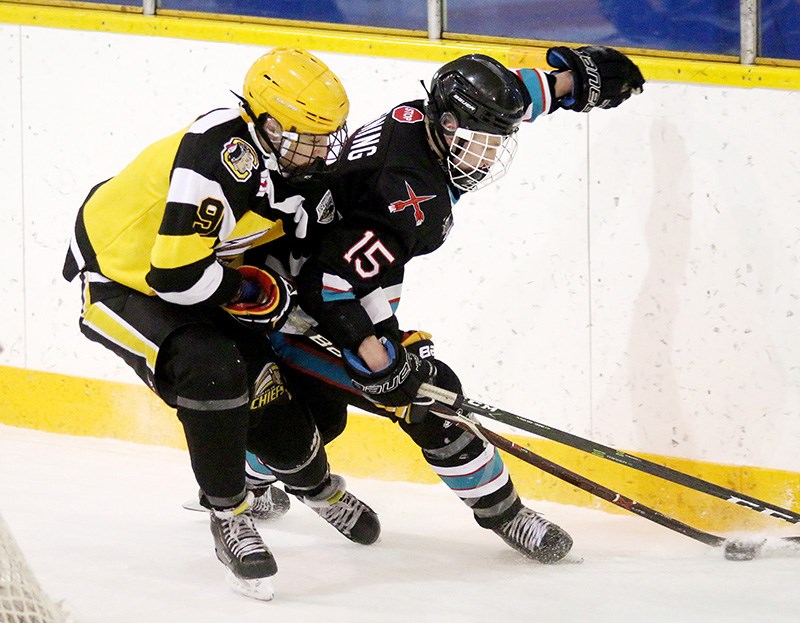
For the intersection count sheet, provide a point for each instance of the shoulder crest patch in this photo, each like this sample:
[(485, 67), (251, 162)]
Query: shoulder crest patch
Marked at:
[(239, 158), (326, 210)]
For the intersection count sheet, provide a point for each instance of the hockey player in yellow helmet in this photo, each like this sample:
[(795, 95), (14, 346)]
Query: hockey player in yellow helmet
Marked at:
[(297, 108), (169, 253)]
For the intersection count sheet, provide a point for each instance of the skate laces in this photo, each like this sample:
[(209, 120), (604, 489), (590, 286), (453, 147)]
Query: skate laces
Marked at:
[(336, 505), (267, 504), (343, 514), (239, 531), (527, 528)]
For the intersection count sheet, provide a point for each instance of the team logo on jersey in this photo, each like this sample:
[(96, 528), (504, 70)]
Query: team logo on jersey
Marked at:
[(407, 114), (268, 387), (326, 209), (413, 201), (240, 158)]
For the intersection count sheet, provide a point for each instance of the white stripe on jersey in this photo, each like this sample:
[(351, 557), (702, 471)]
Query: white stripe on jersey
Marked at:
[(200, 291), (394, 292), (190, 187), (213, 119), (76, 253), (542, 93), (95, 277), (335, 282), (292, 205), (377, 306)]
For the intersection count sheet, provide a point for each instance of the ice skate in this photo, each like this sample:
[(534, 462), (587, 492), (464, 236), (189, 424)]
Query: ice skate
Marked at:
[(269, 503), (239, 547), (534, 536), (345, 512)]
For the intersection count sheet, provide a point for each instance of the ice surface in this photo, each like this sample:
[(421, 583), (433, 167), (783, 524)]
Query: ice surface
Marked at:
[(102, 525)]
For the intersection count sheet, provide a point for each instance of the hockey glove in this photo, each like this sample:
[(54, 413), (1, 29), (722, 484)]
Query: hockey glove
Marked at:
[(602, 77), (398, 383), (420, 344), (263, 301)]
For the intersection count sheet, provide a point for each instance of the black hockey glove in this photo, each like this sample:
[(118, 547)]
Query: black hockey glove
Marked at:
[(419, 343), (398, 383), (602, 77), (263, 301)]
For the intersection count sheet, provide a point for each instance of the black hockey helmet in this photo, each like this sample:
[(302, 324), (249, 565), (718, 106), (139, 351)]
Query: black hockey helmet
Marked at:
[(482, 94)]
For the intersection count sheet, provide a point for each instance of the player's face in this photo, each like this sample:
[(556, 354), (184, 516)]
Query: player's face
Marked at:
[(306, 148), (300, 152), (478, 158), (479, 152)]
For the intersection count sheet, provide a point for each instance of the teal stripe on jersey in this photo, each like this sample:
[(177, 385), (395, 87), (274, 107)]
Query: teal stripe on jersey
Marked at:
[(538, 89), (336, 295), (257, 466)]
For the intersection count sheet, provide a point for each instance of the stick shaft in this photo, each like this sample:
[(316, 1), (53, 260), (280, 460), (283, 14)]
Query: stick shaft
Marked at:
[(611, 454), (581, 482)]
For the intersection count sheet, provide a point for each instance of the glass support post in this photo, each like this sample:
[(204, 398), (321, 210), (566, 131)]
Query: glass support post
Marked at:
[(748, 20), (436, 10)]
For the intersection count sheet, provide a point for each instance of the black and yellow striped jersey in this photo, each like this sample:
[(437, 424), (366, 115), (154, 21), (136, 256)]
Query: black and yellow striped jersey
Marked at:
[(178, 218)]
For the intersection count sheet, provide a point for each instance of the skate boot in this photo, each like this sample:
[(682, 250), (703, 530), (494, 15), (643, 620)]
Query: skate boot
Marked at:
[(532, 535), (269, 503), (345, 512), (239, 547)]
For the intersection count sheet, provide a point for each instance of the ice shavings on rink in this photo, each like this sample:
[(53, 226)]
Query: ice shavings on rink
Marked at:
[(101, 523)]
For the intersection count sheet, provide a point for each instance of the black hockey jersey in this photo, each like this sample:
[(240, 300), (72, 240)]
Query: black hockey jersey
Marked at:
[(396, 203), (177, 219), (395, 200)]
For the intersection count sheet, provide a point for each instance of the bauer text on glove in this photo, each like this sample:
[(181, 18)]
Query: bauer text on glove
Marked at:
[(602, 77), (398, 383), (420, 344)]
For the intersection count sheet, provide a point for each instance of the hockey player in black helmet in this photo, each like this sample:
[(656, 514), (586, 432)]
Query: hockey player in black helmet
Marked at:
[(473, 111), (394, 186)]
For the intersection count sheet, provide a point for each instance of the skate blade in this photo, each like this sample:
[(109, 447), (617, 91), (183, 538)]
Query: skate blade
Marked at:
[(194, 505), (259, 588), (569, 559)]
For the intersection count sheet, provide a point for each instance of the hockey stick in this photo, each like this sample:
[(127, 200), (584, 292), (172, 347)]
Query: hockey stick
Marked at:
[(530, 457), (735, 549), (617, 456)]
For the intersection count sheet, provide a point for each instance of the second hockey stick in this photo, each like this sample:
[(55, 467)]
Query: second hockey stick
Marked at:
[(734, 549), (530, 457), (455, 401), (617, 456)]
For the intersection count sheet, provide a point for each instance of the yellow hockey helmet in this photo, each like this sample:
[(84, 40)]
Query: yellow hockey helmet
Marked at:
[(298, 90)]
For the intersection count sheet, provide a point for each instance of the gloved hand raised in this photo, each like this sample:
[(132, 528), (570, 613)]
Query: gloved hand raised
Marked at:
[(397, 384), (264, 299), (602, 77)]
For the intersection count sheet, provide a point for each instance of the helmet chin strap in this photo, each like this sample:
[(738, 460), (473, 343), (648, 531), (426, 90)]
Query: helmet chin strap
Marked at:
[(257, 127), (434, 141)]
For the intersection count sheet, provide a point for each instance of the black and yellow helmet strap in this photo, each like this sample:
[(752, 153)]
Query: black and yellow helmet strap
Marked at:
[(258, 124)]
